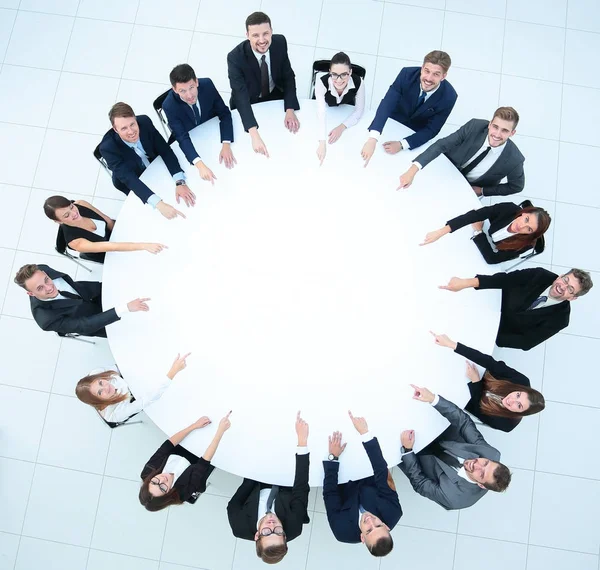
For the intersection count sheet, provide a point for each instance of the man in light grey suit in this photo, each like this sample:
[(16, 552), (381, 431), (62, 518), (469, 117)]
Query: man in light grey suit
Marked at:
[(483, 152), (459, 467)]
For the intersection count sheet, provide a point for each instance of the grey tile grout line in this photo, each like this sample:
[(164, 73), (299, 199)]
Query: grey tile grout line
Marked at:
[(9, 38)]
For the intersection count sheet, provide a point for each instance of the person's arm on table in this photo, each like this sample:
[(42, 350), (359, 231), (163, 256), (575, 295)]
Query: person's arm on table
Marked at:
[(83, 245)]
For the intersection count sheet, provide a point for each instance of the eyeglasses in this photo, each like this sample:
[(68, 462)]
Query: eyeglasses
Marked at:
[(336, 76), (163, 488), (570, 288), (278, 530)]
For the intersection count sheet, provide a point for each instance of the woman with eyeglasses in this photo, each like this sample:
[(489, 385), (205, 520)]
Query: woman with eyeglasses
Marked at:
[(107, 392), (513, 230), (87, 230), (338, 87), (502, 396), (174, 475)]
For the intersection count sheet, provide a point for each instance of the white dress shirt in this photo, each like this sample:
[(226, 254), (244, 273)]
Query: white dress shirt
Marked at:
[(267, 55), (549, 301), (176, 465), (100, 228), (502, 234), (263, 497), (486, 163)]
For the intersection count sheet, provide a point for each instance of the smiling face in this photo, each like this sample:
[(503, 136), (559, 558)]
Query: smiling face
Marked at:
[(565, 288), (67, 215), (161, 484), (499, 131), (340, 75), (372, 528), (127, 128), (270, 521), (102, 388), (517, 402), (260, 36), (40, 286), (187, 91), (431, 76), (525, 224), (480, 470)]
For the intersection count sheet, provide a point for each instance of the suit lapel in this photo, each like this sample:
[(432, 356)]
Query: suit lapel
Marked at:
[(428, 103), (148, 146), (499, 167)]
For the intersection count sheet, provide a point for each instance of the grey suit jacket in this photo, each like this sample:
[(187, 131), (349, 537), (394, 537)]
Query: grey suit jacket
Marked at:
[(434, 479), (461, 145)]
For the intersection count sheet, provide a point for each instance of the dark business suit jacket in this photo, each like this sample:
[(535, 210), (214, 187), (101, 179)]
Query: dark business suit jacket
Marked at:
[(127, 166), (80, 316), (373, 493), (499, 215), (182, 120), (244, 77), (461, 145), (192, 482), (500, 371), (291, 504), (520, 328), (436, 480), (400, 103)]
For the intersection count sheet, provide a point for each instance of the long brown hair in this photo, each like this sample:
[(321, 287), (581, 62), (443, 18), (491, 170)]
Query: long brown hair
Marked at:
[(522, 241), (503, 388), (84, 393), (153, 503)]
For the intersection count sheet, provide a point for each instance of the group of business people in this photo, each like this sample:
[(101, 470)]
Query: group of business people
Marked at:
[(455, 470)]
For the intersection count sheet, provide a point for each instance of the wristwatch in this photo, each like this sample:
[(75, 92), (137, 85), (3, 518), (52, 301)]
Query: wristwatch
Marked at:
[(332, 457), (403, 450), (180, 183)]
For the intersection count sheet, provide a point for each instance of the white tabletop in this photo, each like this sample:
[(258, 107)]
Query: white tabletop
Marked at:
[(299, 287)]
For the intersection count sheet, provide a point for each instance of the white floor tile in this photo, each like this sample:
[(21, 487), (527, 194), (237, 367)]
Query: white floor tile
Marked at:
[(492, 8), (140, 532), (559, 367), (7, 20), (192, 538), (51, 35), (554, 434), (104, 185), (538, 12), (169, 566), (115, 10), (539, 558), (583, 15), (108, 206), (175, 46), (541, 164), (354, 24), (505, 554), (481, 48), (533, 51), (230, 22), (9, 545), (22, 415), (414, 44), (74, 520), (568, 523), (19, 157), (13, 4), (100, 560), (82, 57), (479, 102), (140, 95), (6, 262), (226, 484), (574, 183), (15, 482), (578, 47), (530, 363), (302, 58), (17, 197), (575, 99), (513, 505), (298, 20), (35, 553), (61, 7), (153, 13), (411, 544), (20, 335), (576, 250)]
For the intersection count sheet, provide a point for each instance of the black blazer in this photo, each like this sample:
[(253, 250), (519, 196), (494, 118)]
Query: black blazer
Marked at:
[(499, 215), (127, 166), (244, 78), (71, 233), (373, 493), (461, 145), (80, 316), (192, 482), (291, 505), (520, 328), (498, 370)]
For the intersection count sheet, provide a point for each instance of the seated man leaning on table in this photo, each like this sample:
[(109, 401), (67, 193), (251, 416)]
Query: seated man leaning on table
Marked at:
[(190, 103), (129, 148)]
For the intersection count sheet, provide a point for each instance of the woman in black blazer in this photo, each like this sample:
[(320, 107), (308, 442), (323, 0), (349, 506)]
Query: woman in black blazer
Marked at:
[(87, 230), (502, 396), (513, 230), (174, 474)]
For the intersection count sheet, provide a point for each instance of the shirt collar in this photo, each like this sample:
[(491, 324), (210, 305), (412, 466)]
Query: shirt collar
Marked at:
[(333, 90), (267, 55), (428, 93)]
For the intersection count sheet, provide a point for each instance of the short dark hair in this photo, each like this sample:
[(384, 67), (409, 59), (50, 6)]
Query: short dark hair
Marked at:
[(182, 73), (256, 19), (585, 280), (507, 114), (120, 110), (26, 272), (382, 547), (502, 477), (271, 554), (54, 203), (340, 58), (438, 57)]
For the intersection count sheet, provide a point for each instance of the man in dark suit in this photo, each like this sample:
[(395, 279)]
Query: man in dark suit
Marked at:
[(65, 306), (129, 148), (272, 515), (259, 70), (190, 103), (364, 510), (483, 152), (536, 303), (419, 98), (459, 467)]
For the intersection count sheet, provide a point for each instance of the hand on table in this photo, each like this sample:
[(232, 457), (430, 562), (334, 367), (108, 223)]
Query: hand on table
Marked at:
[(321, 152), (422, 394), (359, 423), (392, 147), (472, 372), (301, 431), (336, 133), (202, 422), (258, 145), (478, 190), (335, 444), (224, 424), (443, 340), (178, 365), (455, 284), (205, 172), (168, 211), (291, 122), (368, 149), (407, 439), (226, 156), (138, 305), (406, 180), (430, 237), (154, 247)]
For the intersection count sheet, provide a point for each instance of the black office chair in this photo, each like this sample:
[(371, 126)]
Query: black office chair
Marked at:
[(158, 103), (126, 422), (61, 247), (538, 246), (75, 336), (322, 66), (102, 161)]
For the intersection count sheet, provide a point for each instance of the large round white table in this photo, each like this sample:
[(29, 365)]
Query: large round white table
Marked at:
[(299, 287)]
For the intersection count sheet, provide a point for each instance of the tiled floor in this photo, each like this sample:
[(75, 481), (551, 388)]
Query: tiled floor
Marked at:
[(68, 485)]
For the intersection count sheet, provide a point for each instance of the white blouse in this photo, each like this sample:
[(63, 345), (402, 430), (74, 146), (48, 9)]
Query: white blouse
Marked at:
[(176, 465), (502, 234)]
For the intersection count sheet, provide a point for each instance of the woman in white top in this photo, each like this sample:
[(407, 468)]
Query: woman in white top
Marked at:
[(109, 394), (87, 230), (338, 87)]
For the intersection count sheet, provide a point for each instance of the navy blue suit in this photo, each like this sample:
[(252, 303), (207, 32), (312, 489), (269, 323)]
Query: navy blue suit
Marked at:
[(373, 493), (400, 103), (127, 166), (182, 120)]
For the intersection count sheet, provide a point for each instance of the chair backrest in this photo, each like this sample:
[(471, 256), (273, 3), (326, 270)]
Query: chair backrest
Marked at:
[(526, 204), (61, 242), (540, 245), (158, 103), (102, 160), (322, 66)]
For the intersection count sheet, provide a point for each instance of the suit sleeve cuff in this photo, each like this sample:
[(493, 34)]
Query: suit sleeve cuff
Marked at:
[(302, 450), (418, 165), (197, 159), (405, 145), (179, 176), (374, 135), (436, 399), (225, 142), (121, 310), (154, 200), (366, 437)]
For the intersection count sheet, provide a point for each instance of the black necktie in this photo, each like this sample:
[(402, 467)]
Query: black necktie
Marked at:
[(264, 78), (68, 295), (421, 99), (196, 113), (475, 162), (447, 458), (272, 495)]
